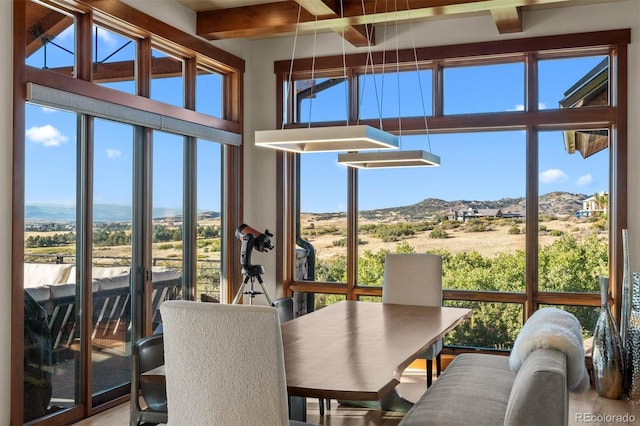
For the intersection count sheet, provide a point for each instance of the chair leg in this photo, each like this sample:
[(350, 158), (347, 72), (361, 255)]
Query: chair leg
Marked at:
[(321, 403), (429, 372), (438, 365)]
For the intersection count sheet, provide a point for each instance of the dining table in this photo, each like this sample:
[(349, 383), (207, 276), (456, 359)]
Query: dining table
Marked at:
[(356, 351)]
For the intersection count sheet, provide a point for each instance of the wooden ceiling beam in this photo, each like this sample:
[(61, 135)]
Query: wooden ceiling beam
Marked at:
[(508, 19), (320, 7), (282, 17)]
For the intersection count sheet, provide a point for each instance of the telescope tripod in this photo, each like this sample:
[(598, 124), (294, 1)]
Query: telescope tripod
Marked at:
[(251, 275)]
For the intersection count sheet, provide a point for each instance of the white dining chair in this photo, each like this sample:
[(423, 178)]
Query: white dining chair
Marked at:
[(224, 364), (415, 279)]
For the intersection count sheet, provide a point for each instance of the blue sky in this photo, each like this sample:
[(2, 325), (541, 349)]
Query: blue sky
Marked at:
[(475, 166)]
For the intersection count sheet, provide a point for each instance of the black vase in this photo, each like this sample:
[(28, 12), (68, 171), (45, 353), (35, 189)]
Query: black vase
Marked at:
[(606, 354)]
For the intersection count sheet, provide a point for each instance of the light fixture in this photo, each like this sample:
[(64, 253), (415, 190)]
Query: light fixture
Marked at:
[(381, 159), (324, 139), (373, 160), (327, 139)]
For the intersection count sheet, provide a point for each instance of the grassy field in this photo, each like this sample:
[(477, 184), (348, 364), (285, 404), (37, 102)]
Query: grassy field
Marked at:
[(326, 235), (497, 239)]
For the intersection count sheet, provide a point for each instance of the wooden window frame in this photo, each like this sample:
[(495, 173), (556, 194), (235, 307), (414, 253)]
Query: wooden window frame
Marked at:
[(147, 31), (531, 120)]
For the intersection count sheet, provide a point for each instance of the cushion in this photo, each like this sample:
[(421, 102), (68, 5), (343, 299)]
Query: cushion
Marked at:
[(40, 293), (539, 395), (62, 290), (66, 290), (556, 329), (107, 283), (468, 377), (109, 271), (160, 273), (37, 274)]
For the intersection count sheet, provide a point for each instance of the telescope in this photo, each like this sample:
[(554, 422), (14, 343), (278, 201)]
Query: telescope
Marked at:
[(252, 239)]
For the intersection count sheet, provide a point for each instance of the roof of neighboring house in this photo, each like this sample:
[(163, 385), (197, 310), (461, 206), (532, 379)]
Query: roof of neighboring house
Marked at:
[(591, 90)]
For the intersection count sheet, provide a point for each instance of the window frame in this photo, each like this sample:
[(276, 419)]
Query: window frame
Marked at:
[(613, 117), (147, 32)]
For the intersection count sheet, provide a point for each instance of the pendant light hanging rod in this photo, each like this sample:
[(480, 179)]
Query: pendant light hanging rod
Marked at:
[(325, 139), (411, 158)]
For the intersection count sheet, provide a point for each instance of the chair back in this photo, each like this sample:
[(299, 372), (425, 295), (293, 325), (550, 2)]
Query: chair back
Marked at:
[(412, 279), (224, 364), (284, 305), (150, 352)]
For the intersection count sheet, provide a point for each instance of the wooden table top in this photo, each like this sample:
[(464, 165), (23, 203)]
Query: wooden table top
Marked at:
[(358, 350)]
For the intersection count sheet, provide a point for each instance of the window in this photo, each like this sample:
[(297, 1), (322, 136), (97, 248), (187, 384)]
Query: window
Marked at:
[(515, 188), (484, 88), (167, 78), (112, 199), (114, 58)]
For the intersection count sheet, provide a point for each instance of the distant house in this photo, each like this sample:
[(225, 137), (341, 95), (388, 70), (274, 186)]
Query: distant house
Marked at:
[(471, 213), (591, 207), (591, 90)]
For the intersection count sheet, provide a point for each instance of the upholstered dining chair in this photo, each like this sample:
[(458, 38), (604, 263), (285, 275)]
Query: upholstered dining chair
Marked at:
[(148, 353), (224, 364), (415, 279)]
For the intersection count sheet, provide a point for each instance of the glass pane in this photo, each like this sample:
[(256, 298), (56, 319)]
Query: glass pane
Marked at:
[(209, 219), (166, 251), (323, 99), (209, 92), (323, 215), (573, 82), (468, 211), (492, 325), (573, 210), (51, 335), (112, 215), (114, 60), (52, 43), (404, 94), (167, 79), (484, 88)]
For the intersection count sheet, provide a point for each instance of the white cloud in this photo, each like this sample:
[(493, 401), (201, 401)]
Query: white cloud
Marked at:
[(585, 180), (46, 135), (113, 153), (106, 37), (520, 107), (48, 110), (552, 176)]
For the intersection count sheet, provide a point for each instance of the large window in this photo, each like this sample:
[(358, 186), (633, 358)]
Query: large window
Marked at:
[(522, 208), (124, 202)]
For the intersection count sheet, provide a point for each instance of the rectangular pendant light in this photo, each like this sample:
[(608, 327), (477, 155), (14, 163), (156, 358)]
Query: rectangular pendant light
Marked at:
[(372, 160), (326, 139)]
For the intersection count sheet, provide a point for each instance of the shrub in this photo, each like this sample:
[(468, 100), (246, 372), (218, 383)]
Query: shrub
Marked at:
[(438, 233), (477, 226), (514, 230)]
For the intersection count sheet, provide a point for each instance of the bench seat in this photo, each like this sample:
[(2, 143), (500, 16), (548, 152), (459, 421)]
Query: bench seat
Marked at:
[(481, 389)]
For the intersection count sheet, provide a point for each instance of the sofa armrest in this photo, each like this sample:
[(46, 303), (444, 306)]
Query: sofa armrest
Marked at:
[(539, 394)]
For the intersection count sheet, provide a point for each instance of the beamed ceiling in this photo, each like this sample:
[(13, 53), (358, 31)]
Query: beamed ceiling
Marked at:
[(224, 19)]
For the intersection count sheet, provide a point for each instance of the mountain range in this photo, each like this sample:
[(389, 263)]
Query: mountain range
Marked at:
[(553, 203)]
